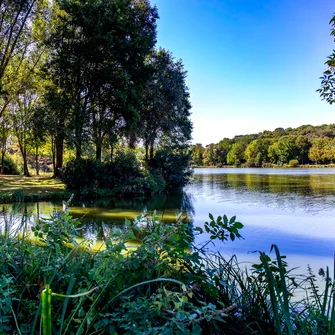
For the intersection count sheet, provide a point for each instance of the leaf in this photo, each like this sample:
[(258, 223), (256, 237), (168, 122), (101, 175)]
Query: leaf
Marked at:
[(239, 225), (211, 216), (232, 219), (196, 329)]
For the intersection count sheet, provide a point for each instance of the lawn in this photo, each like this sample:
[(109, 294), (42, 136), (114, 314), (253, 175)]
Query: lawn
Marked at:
[(36, 186)]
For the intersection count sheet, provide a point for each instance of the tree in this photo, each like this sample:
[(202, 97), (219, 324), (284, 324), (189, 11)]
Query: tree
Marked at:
[(222, 149), (236, 154), (5, 127), (209, 155), (284, 150), (257, 151), (303, 146), (20, 32), (317, 152), (97, 62), (165, 115), (327, 89), (21, 110), (197, 154)]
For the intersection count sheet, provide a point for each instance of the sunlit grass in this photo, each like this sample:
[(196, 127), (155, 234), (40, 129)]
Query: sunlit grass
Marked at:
[(35, 185)]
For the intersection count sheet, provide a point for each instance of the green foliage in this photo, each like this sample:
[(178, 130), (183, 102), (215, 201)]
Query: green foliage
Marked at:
[(9, 167), (165, 115), (270, 148), (167, 285), (123, 176), (172, 166), (293, 163), (327, 91), (222, 228), (78, 174)]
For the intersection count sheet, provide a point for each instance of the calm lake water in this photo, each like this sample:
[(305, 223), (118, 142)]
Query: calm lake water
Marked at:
[(293, 208)]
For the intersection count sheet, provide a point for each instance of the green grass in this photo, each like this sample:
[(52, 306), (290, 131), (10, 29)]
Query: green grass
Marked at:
[(20, 188)]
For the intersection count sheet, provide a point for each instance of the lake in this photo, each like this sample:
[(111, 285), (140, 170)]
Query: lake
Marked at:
[(293, 208)]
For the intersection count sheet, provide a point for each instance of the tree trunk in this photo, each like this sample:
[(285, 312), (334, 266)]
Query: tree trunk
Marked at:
[(146, 152), (53, 153), (59, 144), (25, 163), (36, 161), (112, 152), (2, 162), (98, 150), (151, 152), (78, 151)]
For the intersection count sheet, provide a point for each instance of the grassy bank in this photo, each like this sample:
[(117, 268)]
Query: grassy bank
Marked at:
[(167, 285), (20, 188)]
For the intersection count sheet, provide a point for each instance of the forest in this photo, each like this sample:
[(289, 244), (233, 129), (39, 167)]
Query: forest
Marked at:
[(282, 147), (83, 83)]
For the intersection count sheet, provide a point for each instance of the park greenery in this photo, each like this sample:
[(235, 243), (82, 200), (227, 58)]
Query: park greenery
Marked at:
[(82, 83)]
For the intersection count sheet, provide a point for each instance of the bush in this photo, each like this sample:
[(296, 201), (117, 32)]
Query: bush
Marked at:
[(293, 163), (122, 172), (173, 167), (268, 165), (78, 174), (124, 176), (249, 163), (10, 167), (169, 170)]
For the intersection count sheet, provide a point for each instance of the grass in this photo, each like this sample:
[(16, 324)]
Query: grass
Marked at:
[(21, 188)]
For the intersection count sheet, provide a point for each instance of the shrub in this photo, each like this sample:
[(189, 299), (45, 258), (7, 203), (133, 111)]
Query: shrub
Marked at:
[(123, 176), (122, 172), (173, 166), (293, 163), (10, 167), (78, 174)]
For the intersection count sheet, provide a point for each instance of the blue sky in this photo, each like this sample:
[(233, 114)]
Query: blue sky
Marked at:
[(252, 65)]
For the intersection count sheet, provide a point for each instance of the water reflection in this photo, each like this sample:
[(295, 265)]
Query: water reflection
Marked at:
[(97, 217), (293, 208), (312, 192)]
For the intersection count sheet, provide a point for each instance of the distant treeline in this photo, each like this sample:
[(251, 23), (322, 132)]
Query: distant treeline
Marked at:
[(292, 146)]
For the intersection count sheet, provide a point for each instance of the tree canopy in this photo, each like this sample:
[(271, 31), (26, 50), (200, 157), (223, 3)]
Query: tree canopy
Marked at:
[(82, 78)]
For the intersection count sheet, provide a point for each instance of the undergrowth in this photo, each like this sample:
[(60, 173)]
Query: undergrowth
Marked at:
[(167, 285)]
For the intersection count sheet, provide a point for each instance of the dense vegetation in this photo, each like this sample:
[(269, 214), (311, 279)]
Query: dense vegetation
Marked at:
[(292, 146), (82, 81), (167, 285)]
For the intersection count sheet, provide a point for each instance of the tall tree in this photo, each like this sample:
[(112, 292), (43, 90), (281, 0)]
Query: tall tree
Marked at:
[(257, 151), (318, 150), (97, 60), (165, 115)]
